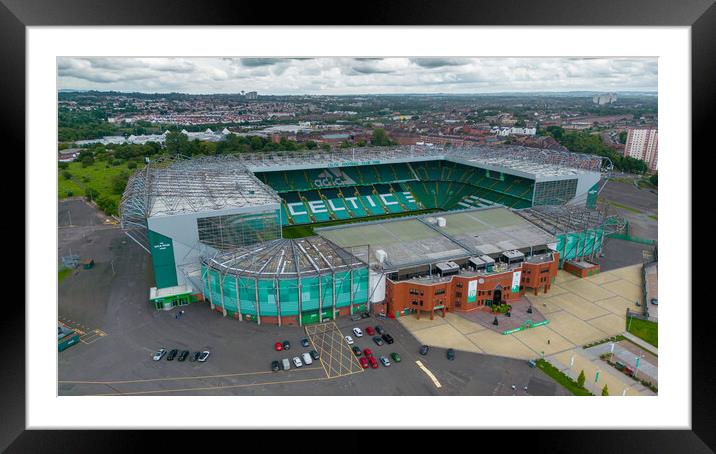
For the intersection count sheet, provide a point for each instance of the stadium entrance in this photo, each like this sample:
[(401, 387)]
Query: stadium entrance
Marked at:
[(497, 296)]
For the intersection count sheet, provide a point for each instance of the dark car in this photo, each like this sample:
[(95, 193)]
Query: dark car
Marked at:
[(378, 340), (450, 354), (314, 354), (356, 350), (424, 350), (183, 355), (275, 366), (388, 338), (194, 356), (304, 342), (172, 354), (286, 345), (379, 329), (365, 315)]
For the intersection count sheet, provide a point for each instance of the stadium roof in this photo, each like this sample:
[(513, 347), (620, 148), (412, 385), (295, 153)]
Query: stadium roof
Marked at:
[(419, 240), (284, 259)]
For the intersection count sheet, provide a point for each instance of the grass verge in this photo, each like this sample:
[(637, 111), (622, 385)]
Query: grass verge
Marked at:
[(625, 207), (62, 274), (562, 378), (645, 330)]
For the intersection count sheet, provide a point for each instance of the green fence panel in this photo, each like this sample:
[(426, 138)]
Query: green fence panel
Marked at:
[(267, 297), (310, 293), (360, 286), (214, 287), (230, 295), (327, 291), (247, 296), (343, 289)]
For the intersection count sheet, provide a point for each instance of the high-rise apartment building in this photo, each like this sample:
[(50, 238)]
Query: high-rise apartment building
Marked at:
[(643, 143)]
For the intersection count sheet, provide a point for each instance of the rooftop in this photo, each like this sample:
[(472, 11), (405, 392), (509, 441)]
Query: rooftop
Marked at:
[(284, 258)]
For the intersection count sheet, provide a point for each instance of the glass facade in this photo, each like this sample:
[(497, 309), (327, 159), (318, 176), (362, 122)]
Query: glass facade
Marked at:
[(236, 230), (554, 192)]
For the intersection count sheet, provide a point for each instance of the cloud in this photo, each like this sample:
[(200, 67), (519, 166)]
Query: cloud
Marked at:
[(439, 62)]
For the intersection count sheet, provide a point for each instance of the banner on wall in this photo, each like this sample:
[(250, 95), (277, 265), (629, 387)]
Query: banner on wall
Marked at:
[(516, 281), (471, 291)]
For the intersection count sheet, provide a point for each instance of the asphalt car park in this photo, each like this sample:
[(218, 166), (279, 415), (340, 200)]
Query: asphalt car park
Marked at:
[(113, 295)]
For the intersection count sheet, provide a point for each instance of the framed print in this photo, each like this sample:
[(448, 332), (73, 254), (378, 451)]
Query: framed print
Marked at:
[(422, 219)]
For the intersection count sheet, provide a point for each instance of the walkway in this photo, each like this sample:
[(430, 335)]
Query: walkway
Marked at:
[(641, 343)]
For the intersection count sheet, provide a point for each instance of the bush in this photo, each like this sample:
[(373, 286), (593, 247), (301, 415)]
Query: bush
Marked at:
[(132, 165), (63, 165), (87, 161), (70, 193), (91, 194), (605, 391), (581, 379), (66, 175)]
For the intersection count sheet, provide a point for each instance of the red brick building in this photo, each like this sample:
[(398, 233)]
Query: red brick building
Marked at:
[(470, 288)]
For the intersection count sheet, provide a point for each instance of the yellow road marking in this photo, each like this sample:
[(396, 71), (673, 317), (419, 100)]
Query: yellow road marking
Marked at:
[(429, 374), (143, 380)]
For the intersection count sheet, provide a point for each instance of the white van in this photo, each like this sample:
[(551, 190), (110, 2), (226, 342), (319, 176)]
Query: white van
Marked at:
[(286, 364), (307, 359)]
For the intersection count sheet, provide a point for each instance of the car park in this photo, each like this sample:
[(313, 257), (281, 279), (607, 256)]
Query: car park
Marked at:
[(286, 345), (286, 364), (204, 356), (159, 354), (385, 361), (363, 362), (378, 340), (307, 359), (368, 352), (314, 354), (358, 332), (370, 330), (297, 361), (304, 342), (172, 354), (194, 356), (373, 362), (183, 355), (424, 350), (349, 340), (396, 357), (275, 366), (388, 338), (450, 354), (379, 329), (356, 350), (278, 346)]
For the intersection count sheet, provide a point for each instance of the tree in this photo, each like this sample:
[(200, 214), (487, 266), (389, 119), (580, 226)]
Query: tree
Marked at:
[(654, 179), (380, 138), (177, 143), (66, 175), (63, 165), (119, 182), (87, 161), (91, 194), (581, 379), (622, 137), (605, 390), (325, 146)]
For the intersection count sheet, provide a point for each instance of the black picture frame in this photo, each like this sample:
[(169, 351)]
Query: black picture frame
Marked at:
[(700, 15)]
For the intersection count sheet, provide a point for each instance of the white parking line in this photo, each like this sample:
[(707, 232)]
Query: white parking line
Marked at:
[(429, 374)]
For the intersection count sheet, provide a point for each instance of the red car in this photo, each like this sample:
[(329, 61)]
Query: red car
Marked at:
[(373, 362), (278, 346), (368, 352), (363, 362), (370, 330)]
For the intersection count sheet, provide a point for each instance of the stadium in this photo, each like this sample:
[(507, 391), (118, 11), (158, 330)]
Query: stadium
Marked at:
[(384, 218)]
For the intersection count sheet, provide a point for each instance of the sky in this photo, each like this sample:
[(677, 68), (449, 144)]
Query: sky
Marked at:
[(336, 76)]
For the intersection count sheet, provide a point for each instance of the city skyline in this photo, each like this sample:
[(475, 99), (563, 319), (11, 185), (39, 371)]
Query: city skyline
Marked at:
[(357, 76)]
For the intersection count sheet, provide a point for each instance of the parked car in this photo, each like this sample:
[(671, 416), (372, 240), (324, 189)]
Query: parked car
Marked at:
[(365, 315), (297, 361), (378, 340), (355, 317), (349, 340), (388, 338), (379, 329), (305, 342), (357, 332), (278, 346), (286, 364), (370, 330), (356, 350), (373, 362), (424, 350), (183, 355), (275, 366), (204, 356), (172, 354), (286, 345), (159, 354), (396, 357), (450, 354), (314, 354), (307, 359), (532, 363), (368, 352), (363, 362), (194, 356), (385, 361), (655, 301)]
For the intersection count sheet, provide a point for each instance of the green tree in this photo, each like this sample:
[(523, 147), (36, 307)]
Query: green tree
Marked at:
[(581, 379), (63, 165), (346, 144), (622, 137), (119, 182), (91, 194), (654, 179), (66, 175), (380, 138), (325, 147), (605, 390), (177, 143), (87, 161)]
